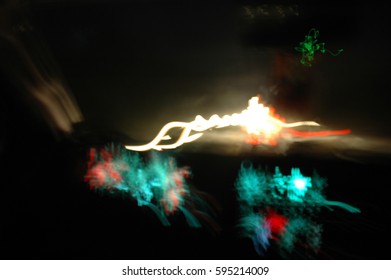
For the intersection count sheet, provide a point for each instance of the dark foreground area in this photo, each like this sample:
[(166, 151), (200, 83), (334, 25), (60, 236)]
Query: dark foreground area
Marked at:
[(48, 211)]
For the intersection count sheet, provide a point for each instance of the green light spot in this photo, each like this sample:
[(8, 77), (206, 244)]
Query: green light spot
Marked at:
[(310, 45)]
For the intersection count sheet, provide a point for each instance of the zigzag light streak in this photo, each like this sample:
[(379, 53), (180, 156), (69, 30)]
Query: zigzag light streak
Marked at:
[(259, 121)]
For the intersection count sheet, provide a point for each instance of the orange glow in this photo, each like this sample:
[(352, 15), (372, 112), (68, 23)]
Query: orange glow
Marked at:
[(324, 133)]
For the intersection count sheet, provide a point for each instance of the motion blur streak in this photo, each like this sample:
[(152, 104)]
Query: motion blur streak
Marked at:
[(308, 134), (262, 125), (282, 208), (28, 65), (157, 183)]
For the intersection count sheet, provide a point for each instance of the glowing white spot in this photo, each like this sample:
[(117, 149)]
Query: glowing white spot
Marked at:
[(300, 184)]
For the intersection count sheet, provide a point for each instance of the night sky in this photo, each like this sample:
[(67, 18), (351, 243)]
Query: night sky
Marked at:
[(132, 66)]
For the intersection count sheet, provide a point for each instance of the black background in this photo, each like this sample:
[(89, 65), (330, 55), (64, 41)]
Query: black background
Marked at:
[(135, 65)]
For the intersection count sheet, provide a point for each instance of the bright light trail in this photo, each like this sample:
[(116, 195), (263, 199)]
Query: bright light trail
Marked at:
[(260, 122)]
